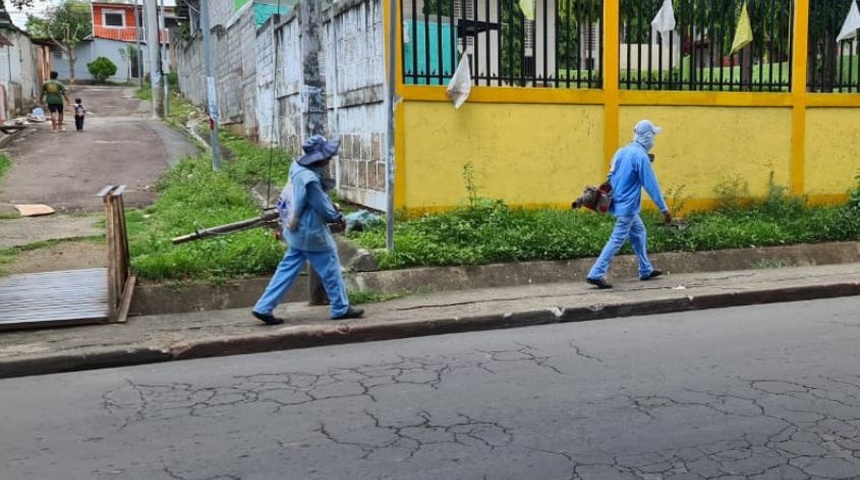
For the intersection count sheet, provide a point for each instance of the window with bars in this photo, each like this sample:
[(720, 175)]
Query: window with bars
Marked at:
[(113, 18)]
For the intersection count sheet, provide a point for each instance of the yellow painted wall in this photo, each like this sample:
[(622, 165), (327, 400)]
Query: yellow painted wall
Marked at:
[(700, 147), (526, 155), (832, 150), (544, 154), (540, 147)]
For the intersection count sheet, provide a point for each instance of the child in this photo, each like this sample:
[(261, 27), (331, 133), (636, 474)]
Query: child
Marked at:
[(80, 111)]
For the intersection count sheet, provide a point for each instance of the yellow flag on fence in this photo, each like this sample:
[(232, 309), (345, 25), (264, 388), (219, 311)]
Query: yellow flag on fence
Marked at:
[(743, 34), (528, 8)]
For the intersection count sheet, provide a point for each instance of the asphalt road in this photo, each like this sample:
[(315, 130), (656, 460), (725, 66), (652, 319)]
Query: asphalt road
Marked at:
[(120, 145), (765, 392)]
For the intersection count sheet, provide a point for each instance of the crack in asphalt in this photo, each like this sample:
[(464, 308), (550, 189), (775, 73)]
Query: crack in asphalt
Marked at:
[(806, 429)]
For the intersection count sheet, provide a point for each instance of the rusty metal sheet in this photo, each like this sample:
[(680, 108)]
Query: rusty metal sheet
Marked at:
[(54, 298)]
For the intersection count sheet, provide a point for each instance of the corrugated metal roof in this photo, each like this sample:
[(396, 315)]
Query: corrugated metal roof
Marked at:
[(54, 298)]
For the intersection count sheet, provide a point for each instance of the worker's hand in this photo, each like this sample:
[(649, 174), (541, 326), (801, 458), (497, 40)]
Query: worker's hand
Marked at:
[(667, 217), (337, 207), (278, 235)]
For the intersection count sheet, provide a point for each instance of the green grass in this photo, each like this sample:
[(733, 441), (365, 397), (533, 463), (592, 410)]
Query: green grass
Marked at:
[(192, 196), (493, 232), (10, 255), (5, 165), (358, 297)]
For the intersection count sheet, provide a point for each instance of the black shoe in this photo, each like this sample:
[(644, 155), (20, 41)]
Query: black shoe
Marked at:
[(654, 274), (267, 318), (351, 313), (600, 283)]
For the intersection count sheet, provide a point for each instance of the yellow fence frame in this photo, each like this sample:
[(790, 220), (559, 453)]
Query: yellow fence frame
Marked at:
[(612, 98)]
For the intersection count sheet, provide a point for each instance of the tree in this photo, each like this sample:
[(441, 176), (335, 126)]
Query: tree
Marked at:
[(66, 25), (101, 68), (129, 55)]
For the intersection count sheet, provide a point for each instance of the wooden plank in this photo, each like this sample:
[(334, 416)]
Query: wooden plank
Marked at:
[(125, 304)]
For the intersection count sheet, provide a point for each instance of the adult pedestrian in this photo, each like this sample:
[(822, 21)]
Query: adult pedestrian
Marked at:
[(305, 210), (53, 92), (629, 172)]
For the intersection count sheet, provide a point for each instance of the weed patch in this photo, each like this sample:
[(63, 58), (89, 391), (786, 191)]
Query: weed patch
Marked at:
[(482, 233), (192, 197)]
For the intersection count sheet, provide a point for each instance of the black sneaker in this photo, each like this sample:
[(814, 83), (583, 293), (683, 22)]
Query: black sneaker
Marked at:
[(600, 283), (267, 318), (654, 274), (352, 312)]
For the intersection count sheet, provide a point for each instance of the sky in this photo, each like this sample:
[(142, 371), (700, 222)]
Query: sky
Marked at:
[(19, 17)]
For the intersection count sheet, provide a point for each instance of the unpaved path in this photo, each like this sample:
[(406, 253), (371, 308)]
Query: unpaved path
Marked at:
[(120, 145)]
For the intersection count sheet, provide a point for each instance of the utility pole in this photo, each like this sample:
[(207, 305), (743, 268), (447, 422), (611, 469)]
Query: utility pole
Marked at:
[(313, 102), (390, 102), (154, 44), (138, 26), (164, 59), (211, 94)]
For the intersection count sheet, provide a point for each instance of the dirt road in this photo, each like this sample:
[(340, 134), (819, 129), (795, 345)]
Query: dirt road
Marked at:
[(120, 145)]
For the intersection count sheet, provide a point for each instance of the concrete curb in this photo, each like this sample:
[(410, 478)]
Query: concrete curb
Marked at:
[(314, 336), (307, 336), (159, 299)]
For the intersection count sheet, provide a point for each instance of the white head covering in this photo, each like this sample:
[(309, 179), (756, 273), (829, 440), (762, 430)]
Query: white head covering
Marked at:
[(643, 133)]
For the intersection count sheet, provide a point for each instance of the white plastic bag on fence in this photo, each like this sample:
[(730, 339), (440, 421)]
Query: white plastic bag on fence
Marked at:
[(461, 83)]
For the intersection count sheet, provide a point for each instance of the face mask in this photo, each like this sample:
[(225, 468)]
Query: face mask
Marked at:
[(645, 139)]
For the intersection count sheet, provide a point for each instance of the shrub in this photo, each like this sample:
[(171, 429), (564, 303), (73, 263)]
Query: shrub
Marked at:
[(101, 68)]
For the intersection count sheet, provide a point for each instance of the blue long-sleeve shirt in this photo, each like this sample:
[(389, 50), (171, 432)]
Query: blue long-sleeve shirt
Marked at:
[(313, 209), (630, 172)]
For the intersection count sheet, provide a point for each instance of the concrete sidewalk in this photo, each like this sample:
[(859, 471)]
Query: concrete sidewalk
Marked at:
[(157, 338)]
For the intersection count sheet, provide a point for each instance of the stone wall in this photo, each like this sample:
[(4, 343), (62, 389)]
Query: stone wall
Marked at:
[(260, 84), (355, 77), (233, 63)]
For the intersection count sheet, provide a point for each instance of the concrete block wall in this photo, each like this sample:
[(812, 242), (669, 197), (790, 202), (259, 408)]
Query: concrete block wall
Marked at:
[(289, 85), (190, 70), (234, 67), (355, 75), (271, 105), (265, 83)]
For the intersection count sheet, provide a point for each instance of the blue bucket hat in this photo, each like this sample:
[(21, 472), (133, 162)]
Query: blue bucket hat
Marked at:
[(316, 149)]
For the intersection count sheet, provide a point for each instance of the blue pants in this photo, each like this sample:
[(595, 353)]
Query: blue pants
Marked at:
[(325, 263), (626, 227)]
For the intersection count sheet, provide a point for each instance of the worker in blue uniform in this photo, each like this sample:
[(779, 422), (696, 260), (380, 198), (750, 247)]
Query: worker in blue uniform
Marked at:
[(629, 172), (305, 210)]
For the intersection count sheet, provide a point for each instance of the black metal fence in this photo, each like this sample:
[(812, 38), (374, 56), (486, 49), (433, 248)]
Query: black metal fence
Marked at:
[(553, 43), (698, 53), (833, 65), (559, 44)]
